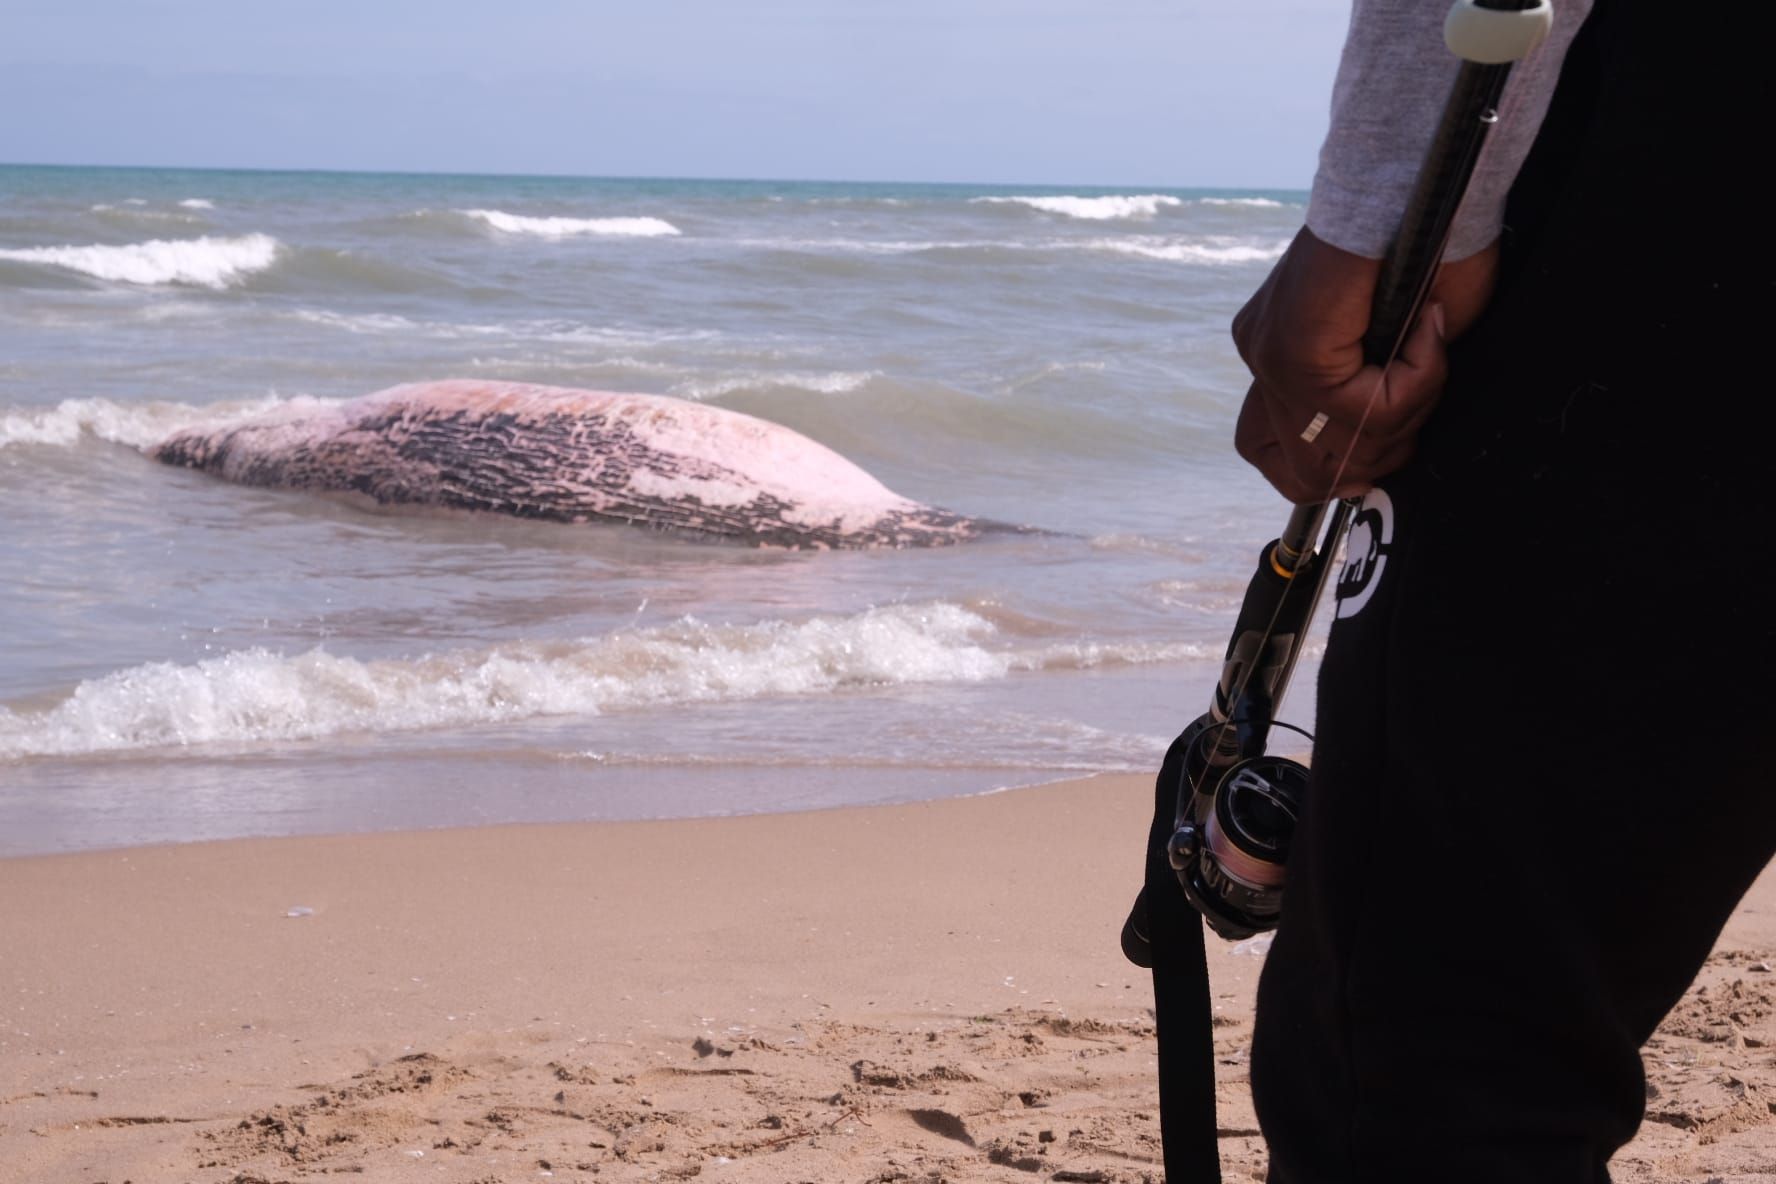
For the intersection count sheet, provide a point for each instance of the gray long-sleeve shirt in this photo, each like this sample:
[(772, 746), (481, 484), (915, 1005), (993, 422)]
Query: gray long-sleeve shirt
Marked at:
[(1392, 81)]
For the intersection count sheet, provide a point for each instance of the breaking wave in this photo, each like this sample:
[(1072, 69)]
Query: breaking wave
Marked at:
[(1263, 202), (1213, 250), (556, 227), (137, 425), (255, 695), (1210, 250), (204, 262), (1096, 209)]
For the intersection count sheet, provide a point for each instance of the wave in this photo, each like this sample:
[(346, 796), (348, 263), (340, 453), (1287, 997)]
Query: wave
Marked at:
[(1207, 249), (926, 424), (1096, 209), (551, 331), (1263, 202), (835, 382), (335, 270), (138, 215), (556, 227), (1214, 249), (374, 323), (198, 203), (854, 200), (204, 262), (862, 246), (137, 425), (255, 695)]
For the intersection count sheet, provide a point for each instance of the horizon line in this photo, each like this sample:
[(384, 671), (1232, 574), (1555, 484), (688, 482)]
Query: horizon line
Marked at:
[(300, 170)]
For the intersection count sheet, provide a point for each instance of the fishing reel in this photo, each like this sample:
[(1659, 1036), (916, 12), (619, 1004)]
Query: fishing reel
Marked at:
[(1236, 812)]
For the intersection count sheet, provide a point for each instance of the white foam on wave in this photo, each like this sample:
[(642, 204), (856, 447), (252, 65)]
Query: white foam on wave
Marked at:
[(833, 382), (198, 203), (137, 425), (256, 695), (1210, 249), (557, 227), (1262, 202), (1213, 250), (1095, 209), (205, 262), (864, 246)]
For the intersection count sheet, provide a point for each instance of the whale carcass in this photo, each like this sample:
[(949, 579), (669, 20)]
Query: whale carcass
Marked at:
[(572, 456)]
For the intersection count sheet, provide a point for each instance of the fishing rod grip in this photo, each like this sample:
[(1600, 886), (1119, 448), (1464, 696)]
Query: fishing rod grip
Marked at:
[(1488, 36), (1300, 535), (1268, 630)]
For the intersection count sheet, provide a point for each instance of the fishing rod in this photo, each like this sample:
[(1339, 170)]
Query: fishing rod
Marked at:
[(1236, 803)]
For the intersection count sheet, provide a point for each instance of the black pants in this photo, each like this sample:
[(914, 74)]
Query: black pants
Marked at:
[(1542, 774)]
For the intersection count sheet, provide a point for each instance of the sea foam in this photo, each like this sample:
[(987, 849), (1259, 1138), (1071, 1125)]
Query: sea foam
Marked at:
[(256, 695), (137, 425), (205, 262), (1096, 209), (1262, 202), (1210, 250), (556, 227)]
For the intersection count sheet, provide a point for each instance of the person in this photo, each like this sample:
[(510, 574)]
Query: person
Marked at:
[(1540, 777)]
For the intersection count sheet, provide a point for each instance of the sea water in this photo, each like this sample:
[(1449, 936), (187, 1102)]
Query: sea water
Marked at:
[(184, 658)]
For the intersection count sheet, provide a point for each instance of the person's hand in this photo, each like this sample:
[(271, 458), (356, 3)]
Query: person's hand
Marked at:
[(1301, 334)]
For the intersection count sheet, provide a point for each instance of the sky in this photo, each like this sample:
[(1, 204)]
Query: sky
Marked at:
[(1110, 92)]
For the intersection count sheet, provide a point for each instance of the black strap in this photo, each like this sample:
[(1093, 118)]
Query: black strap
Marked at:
[(1164, 933)]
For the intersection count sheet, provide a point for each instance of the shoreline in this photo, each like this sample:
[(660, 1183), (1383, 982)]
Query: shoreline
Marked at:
[(721, 758), (319, 811), (913, 992)]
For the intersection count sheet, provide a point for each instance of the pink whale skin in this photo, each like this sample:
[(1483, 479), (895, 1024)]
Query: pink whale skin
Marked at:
[(574, 456)]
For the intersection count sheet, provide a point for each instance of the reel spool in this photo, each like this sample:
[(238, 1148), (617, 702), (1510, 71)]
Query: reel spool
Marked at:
[(1232, 832)]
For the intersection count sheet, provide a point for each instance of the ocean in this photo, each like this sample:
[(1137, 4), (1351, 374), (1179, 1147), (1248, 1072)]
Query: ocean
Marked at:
[(182, 658)]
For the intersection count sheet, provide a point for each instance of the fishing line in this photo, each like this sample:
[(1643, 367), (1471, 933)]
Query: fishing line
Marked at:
[(1326, 552)]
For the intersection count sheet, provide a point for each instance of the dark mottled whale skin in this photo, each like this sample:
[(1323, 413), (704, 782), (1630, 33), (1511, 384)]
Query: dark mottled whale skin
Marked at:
[(573, 456)]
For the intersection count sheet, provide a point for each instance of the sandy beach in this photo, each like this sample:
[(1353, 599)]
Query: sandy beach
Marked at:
[(927, 992)]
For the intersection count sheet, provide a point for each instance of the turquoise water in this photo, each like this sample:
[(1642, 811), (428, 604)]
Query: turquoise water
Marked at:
[(185, 658)]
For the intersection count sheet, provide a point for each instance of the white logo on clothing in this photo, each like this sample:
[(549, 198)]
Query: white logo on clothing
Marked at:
[(1366, 549)]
